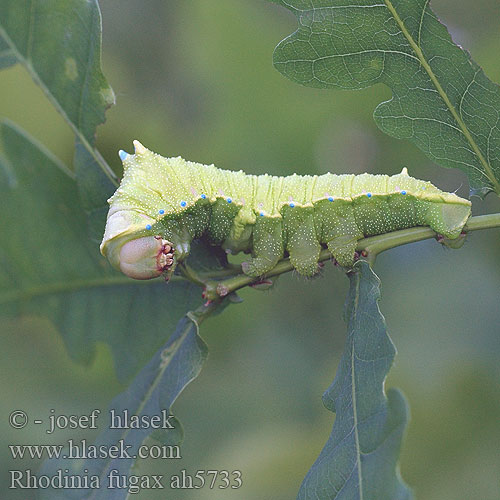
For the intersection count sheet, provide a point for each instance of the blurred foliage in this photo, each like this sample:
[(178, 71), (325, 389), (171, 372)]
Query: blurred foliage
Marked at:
[(196, 79)]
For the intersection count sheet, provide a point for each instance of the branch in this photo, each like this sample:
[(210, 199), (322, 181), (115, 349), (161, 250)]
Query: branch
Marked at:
[(369, 248)]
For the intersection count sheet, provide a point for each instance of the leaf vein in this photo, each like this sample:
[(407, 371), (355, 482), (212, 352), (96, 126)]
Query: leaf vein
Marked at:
[(465, 131)]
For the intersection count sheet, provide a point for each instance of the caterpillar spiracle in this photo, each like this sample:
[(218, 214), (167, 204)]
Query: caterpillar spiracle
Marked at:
[(163, 204)]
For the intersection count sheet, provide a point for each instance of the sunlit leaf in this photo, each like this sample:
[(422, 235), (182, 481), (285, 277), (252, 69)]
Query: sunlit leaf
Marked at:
[(59, 43), (442, 101)]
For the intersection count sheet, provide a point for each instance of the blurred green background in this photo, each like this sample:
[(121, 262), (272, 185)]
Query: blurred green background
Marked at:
[(195, 79)]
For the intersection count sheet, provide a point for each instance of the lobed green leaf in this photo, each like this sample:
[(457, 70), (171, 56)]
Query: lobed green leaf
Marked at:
[(47, 268), (442, 101), (94, 188), (152, 391), (59, 43), (359, 460)]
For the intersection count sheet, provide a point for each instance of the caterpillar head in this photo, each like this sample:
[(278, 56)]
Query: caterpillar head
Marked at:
[(147, 257), (130, 241), (131, 250)]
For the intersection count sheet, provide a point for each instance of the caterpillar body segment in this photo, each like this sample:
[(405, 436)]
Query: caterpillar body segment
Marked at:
[(163, 204)]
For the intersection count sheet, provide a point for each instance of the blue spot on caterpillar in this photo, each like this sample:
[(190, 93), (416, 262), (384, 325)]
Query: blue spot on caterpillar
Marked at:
[(159, 195)]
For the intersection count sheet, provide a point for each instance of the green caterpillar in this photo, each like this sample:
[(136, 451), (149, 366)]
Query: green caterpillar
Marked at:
[(163, 204)]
